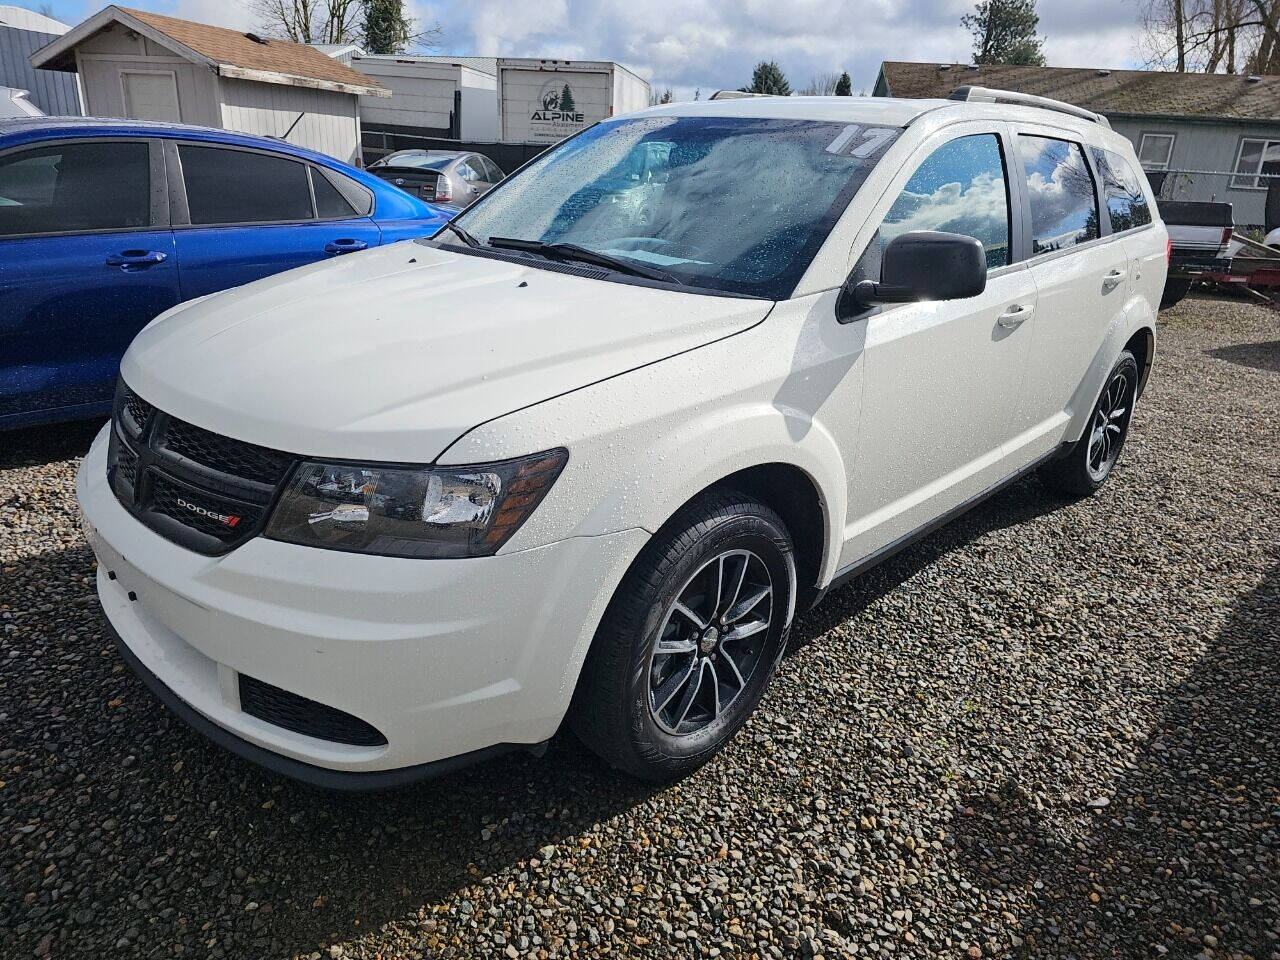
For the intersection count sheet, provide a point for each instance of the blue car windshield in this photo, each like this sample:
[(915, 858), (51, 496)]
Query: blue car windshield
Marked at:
[(733, 204)]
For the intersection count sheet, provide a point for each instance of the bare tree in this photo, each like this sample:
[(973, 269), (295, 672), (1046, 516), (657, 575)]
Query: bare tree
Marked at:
[(1212, 36), (823, 85), (332, 21)]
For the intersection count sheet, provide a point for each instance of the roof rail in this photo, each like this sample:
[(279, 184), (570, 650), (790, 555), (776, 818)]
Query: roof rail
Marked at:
[(736, 94), (988, 95)]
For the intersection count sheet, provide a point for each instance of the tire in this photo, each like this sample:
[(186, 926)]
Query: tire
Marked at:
[(645, 644), (1175, 288), (1093, 457)]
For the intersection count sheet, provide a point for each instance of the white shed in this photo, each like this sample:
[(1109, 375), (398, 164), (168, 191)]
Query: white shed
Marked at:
[(145, 66)]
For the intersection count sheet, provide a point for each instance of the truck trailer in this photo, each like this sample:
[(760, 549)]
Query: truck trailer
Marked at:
[(544, 101)]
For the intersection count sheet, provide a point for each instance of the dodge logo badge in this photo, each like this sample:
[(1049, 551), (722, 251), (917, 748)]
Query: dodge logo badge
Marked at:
[(226, 519)]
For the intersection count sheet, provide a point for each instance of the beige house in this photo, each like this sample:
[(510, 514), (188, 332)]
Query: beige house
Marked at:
[(145, 66)]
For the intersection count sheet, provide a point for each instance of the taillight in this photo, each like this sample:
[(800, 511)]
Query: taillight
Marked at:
[(1168, 250), (1226, 235), (444, 189)]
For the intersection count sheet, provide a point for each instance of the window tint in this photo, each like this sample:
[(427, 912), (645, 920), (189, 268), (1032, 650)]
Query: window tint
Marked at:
[(232, 186), (1122, 189), (330, 204), (1064, 207), (75, 186), (960, 188)]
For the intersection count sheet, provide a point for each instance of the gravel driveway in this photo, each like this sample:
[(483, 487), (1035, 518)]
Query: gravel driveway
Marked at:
[(1046, 730)]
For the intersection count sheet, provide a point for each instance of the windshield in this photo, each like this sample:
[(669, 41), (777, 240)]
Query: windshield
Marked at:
[(415, 160), (733, 204)]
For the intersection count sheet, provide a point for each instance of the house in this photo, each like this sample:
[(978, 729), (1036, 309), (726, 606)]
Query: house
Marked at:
[(22, 32), (1200, 136), (150, 67)]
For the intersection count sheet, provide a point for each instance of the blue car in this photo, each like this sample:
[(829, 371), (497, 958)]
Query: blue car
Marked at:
[(106, 223)]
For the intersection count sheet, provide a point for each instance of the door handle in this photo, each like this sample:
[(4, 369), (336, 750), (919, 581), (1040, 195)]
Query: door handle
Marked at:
[(1015, 315), (344, 246), (1112, 279), (131, 260)]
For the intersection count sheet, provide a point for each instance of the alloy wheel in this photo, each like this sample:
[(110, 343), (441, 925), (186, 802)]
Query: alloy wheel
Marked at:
[(1109, 426), (711, 642)]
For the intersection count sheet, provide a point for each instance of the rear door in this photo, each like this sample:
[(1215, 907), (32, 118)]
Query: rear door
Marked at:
[(1081, 273), (86, 261), (240, 215), (1128, 213)]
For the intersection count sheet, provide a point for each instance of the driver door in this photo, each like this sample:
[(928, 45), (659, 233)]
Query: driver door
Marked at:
[(942, 378)]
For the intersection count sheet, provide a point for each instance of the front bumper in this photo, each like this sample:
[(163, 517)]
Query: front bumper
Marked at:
[(444, 658)]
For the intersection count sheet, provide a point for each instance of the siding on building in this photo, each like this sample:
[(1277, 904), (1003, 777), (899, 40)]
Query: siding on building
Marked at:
[(329, 120), (1204, 146), (102, 59), (52, 91)]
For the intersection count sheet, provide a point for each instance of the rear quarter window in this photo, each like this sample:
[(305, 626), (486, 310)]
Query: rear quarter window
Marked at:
[(1127, 205)]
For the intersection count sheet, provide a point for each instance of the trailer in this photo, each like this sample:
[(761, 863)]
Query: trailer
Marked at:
[(544, 101), (429, 97)]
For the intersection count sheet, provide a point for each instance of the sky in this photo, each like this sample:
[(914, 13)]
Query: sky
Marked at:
[(689, 45)]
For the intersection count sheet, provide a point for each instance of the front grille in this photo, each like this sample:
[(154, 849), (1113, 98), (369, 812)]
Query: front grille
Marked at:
[(207, 492), (225, 455), (293, 712)]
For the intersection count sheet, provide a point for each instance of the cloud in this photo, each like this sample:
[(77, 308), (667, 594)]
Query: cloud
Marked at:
[(710, 44)]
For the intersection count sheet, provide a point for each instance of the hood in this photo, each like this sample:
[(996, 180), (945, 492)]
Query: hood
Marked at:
[(394, 353)]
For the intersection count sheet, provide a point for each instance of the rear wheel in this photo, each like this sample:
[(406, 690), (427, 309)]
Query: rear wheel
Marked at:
[(690, 640), (1092, 458)]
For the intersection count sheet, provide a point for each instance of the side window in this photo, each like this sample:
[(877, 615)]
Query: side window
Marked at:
[(960, 188), (467, 172), (234, 186), (75, 186), (1064, 206), (1127, 205), (491, 171), (330, 204)]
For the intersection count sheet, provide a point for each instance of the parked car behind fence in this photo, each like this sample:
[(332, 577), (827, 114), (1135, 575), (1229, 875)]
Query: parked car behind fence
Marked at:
[(454, 177), (104, 224)]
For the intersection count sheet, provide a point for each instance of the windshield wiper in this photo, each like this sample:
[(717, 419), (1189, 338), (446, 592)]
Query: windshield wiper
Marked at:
[(571, 251), (467, 238)]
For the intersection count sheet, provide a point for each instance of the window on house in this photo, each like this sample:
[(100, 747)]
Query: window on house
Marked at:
[(1256, 159), (1064, 206), (1154, 150)]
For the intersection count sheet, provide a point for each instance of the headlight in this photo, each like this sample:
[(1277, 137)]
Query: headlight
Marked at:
[(413, 512)]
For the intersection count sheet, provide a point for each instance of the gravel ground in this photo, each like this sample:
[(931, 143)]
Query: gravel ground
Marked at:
[(1048, 730)]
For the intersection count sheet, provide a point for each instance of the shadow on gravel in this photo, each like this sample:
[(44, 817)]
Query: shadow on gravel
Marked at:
[(1260, 356), (47, 443), (1186, 855), (1019, 503)]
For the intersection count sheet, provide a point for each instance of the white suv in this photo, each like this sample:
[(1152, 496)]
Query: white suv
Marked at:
[(585, 453)]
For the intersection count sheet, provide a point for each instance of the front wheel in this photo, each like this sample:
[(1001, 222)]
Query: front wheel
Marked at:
[(1092, 458), (690, 640)]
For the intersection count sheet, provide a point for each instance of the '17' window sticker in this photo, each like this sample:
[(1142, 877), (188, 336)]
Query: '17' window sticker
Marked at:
[(861, 142)]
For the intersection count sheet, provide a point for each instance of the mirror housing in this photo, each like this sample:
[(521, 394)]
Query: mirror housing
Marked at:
[(921, 265)]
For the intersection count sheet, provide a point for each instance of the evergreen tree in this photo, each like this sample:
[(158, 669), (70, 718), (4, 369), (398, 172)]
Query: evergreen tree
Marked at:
[(1004, 31), (566, 100), (768, 78), (386, 29), (844, 86)]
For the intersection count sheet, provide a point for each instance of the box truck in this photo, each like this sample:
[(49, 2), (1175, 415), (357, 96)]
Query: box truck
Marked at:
[(429, 97), (543, 101)]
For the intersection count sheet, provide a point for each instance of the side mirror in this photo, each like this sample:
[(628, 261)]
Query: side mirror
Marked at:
[(921, 265)]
